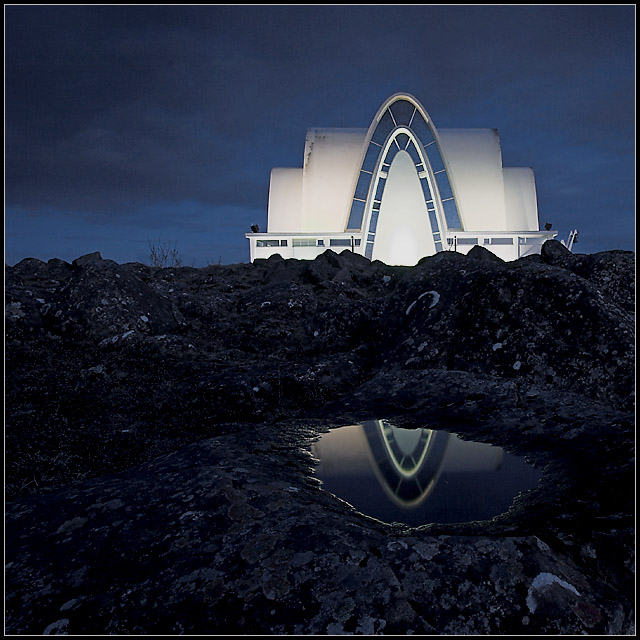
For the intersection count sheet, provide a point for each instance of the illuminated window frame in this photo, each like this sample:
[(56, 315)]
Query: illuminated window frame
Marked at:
[(403, 125), (403, 139)]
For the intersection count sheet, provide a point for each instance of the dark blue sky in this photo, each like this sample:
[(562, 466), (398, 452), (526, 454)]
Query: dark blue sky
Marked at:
[(129, 125)]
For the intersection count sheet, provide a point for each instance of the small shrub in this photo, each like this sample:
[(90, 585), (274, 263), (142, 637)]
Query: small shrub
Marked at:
[(163, 254)]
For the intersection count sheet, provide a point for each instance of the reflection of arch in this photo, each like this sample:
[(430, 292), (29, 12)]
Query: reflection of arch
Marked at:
[(407, 474), (402, 124)]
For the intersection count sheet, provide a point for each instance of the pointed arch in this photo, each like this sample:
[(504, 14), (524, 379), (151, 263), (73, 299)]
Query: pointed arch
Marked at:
[(407, 477), (402, 124)]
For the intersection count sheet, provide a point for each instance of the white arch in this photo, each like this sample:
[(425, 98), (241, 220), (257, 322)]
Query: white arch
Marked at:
[(362, 207), (434, 213)]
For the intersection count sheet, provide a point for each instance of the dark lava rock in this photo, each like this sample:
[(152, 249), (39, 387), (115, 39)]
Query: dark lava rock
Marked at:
[(159, 423), (107, 302), (481, 253), (553, 251)]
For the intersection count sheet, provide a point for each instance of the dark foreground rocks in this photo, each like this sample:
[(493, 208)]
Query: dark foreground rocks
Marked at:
[(159, 424)]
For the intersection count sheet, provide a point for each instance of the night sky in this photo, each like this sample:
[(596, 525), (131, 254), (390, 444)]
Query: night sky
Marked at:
[(126, 126)]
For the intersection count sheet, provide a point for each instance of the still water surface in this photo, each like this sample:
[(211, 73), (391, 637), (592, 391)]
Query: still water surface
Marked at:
[(418, 476)]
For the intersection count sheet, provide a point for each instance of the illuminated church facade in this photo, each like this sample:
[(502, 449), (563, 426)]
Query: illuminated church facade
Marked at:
[(399, 191)]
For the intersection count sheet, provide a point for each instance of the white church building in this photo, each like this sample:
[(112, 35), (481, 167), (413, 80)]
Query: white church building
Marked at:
[(401, 190)]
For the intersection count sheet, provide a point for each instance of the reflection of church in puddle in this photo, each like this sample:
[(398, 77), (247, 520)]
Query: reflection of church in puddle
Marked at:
[(418, 475), (401, 190)]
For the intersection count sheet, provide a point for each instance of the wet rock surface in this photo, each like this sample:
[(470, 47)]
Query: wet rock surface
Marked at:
[(159, 425)]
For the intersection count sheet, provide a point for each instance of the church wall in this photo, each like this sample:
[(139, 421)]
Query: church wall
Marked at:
[(339, 197), (331, 162), (475, 163), (285, 201), (520, 198)]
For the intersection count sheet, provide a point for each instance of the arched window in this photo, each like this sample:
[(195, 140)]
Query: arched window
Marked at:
[(403, 126)]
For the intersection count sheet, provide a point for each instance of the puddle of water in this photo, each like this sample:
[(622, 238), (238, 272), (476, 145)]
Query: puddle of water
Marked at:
[(419, 476)]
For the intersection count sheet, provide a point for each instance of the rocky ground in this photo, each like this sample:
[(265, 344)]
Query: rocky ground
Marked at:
[(159, 422)]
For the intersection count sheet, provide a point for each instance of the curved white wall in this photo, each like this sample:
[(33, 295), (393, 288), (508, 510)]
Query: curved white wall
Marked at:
[(520, 198), (475, 163), (285, 201), (331, 162)]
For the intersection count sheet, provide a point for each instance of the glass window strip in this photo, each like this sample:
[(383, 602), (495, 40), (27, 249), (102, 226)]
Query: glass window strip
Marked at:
[(374, 221), (433, 221), (501, 240), (426, 190), (531, 240), (412, 116), (421, 129), (413, 152), (435, 159), (402, 140), (402, 111), (383, 128), (417, 123), (362, 188), (451, 214), (356, 214), (391, 153), (444, 186), (371, 158)]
